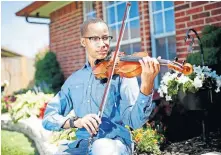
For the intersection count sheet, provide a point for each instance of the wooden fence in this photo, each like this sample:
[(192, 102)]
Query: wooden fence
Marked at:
[(18, 71)]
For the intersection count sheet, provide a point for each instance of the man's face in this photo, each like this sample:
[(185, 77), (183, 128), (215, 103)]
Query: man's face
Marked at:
[(96, 41)]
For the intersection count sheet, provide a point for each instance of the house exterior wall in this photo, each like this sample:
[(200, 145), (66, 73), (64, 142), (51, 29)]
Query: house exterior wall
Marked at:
[(65, 37), (65, 28), (145, 26), (194, 15)]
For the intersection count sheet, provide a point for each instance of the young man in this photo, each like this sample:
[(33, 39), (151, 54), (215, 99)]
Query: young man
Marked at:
[(127, 104)]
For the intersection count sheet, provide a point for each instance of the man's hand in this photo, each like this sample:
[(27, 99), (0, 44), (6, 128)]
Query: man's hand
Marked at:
[(90, 122), (150, 69)]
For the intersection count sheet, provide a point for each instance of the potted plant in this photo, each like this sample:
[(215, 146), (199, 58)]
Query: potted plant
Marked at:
[(193, 91)]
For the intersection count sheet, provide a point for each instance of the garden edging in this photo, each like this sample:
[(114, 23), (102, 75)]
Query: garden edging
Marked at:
[(32, 128)]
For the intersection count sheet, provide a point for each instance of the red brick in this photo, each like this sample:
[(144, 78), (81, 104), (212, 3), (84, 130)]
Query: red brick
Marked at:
[(217, 24), (180, 26), (194, 23), (179, 38), (182, 43), (216, 12), (178, 2), (212, 6), (183, 19), (182, 7), (201, 15), (178, 32), (178, 14), (213, 19), (197, 3), (194, 10)]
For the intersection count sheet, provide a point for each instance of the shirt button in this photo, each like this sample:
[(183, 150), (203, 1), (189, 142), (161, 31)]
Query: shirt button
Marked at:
[(88, 101), (143, 101), (89, 86)]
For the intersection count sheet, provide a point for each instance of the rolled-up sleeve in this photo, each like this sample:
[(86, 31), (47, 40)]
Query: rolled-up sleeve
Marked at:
[(135, 107), (57, 110)]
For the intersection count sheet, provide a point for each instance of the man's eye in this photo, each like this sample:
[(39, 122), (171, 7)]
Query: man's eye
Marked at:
[(105, 38), (95, 38)]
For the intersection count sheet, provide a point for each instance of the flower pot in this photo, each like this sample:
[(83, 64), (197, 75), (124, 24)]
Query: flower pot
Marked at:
[(195, 101)]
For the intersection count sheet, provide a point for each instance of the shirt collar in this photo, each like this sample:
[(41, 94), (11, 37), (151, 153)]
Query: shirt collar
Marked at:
[(87, 65)]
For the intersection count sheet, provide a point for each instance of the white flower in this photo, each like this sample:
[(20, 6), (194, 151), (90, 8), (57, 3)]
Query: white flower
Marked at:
[(217, 90), (168, 98), (160, 92), (183, 79), (198, 83), (202, 77)]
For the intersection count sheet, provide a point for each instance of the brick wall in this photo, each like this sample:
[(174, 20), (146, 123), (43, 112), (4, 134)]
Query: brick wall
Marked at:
[(65, 37), (194, 15), (65, 28), (145, 26), (99, 10)]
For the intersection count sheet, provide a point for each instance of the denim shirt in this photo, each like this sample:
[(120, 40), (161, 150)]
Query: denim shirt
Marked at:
[(83, 93)]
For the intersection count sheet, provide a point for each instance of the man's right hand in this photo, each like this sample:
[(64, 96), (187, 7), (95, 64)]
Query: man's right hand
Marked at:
[(90, 122)]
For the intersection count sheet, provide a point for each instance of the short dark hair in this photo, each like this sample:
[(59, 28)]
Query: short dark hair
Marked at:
[(84, 26)]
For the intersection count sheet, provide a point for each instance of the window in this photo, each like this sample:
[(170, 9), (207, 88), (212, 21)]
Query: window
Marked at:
[(163, 39), (113, 15), (89, 10)]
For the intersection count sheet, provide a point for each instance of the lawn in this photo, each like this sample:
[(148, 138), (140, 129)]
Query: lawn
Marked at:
[(14, 143)]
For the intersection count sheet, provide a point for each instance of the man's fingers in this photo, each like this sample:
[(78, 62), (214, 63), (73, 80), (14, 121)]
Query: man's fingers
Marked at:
[(96, 118), (87, 128), (94, 122), (91, 127)]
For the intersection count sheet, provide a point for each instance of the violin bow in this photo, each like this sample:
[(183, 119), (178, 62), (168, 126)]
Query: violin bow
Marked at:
[(116, 53)]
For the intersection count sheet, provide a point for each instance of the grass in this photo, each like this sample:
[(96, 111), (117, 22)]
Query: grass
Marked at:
[(15, 143)]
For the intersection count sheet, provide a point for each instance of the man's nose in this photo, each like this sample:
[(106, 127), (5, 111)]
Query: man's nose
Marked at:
[(101, 43)]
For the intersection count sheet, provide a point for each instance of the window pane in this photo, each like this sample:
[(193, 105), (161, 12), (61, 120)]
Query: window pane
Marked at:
[(168, 4), (126, 49), (135, 29), (90, 6), (134, 12), (126, 33), (156, 6), (169, 19), (161, 51), (172, 47), (158, 23), (91, 15), (113, 32), (110, 15), (136, 47), (107, 3), (120, 11), (161, 48)]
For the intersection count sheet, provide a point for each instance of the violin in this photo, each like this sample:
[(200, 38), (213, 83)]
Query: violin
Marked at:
[(128, 66)]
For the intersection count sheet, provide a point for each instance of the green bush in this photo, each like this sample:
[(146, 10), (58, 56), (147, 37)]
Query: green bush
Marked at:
[(211, 41), (14, 143), (48, 74)]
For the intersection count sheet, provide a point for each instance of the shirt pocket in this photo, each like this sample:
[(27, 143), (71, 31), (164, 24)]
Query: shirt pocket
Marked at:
[(77, 93)]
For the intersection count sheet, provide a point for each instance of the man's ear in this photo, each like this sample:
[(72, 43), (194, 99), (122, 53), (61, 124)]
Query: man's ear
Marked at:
[(83, 42)]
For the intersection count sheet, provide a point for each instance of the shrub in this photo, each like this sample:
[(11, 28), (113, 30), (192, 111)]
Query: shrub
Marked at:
[(48, 75), (211, 38)]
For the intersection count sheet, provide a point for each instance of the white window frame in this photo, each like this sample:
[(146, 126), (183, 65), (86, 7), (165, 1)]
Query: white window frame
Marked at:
[(157, 36), (123, 42), (84, 10)]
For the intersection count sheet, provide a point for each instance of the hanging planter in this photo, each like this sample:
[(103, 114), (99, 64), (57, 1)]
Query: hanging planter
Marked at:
[(195, 101)]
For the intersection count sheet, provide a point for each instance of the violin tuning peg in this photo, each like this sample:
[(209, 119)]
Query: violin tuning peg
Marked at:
[(175, 59)]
